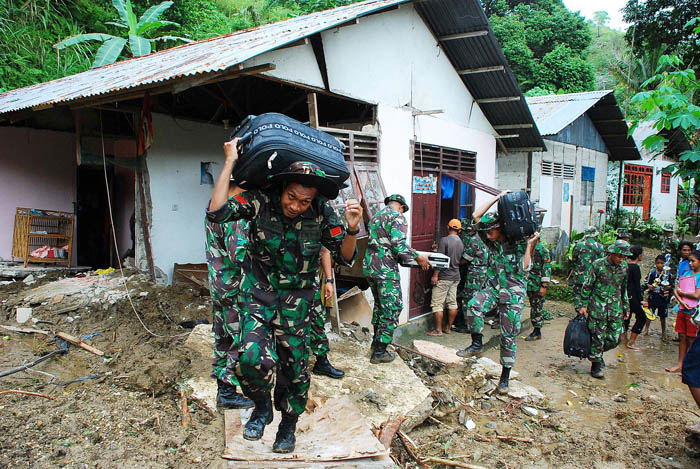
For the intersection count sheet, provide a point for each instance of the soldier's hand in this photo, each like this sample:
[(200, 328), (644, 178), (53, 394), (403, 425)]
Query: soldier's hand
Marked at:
[(231, 151), (423, 262), (353, 213), (583, 311), (533, 239), (328, 290), (434, 280)]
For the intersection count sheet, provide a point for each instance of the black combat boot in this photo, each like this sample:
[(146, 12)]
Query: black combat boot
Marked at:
[(261, 416), (602, 363), (380, 355), (474, 348), (324, 367), (285, 439), (503, 382), (228, 398), (596, 370), (535, 335)]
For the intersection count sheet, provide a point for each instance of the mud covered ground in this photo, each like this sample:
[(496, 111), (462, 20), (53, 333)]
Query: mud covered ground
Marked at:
[(130, 415)]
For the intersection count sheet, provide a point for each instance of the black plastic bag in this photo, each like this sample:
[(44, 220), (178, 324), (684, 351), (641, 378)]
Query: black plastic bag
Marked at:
[(577, 338)]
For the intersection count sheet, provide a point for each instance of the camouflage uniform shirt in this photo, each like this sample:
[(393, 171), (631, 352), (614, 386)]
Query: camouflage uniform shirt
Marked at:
[(585, 252), (605, 288), (387, 245), (541, 269)]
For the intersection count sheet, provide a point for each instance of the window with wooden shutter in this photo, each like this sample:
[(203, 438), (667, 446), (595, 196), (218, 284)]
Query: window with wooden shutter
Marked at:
[(665, 183), (434, 158)]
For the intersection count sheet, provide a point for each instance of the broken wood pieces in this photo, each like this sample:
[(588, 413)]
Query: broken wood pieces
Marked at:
[(453, 463), (388, 430), (27, 393), (24, 330), (76, 341)]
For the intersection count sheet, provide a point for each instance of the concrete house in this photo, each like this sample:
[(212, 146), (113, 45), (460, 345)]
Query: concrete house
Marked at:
[(648, 188), (582, 133), (419, 92)]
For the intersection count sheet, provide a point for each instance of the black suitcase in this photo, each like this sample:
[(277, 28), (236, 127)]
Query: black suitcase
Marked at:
[(270, 142), (518, 217), (577, 338)]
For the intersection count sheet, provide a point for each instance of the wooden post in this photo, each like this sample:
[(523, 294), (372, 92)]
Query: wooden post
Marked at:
[(313, 110)]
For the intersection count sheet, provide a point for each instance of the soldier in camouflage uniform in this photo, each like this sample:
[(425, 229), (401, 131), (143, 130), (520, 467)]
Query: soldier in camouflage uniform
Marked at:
[(385, 247), (288, 226), (537, 282), (475, 257), (585, 252), (510, 261), (670, 245), (318, 341), (224, 241), (623, 234), (605, 302)]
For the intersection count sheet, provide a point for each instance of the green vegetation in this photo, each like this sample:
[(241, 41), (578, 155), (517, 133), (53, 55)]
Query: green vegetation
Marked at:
[(137, 33), (30, 28)]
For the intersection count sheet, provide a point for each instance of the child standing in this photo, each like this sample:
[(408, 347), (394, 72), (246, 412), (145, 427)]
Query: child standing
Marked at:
[(660, 285), (687, 331), (634, 292)]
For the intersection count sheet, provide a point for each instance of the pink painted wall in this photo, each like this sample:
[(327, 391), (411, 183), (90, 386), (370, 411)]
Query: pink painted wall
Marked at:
[(37, 170)]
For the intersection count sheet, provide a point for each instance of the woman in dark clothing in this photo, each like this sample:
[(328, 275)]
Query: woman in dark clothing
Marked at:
[(634, 293)]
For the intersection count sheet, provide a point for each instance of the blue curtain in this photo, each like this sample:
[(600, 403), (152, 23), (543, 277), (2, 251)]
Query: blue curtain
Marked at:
[(447, 186)]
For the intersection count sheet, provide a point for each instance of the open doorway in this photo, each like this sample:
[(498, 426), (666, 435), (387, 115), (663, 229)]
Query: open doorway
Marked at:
[(92, 214)]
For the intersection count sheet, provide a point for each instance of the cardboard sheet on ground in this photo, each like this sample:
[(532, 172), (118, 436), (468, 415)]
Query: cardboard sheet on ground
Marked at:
[(334, 431)]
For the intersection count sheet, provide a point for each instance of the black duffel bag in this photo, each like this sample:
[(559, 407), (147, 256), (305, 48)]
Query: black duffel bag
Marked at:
[(270, 142), (517, 214), (577, 338)]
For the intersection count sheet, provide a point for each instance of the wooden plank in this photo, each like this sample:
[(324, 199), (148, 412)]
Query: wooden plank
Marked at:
[(503, 99), (25, 330), (313, 110), (450, 37), (232, 424), (80, 343), (470, 71)]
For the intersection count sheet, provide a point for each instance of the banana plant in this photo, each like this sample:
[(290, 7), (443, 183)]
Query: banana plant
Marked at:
[(137, 32)]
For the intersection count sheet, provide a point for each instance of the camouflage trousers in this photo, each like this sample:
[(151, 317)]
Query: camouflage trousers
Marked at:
[(536, 305), (576, 291), (226, 328), (274, 338), (510, 304), (317, 330), (605, 326), (387, 307)]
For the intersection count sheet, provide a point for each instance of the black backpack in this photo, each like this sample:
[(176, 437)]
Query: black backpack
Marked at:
[(577, 338), (517, 214)]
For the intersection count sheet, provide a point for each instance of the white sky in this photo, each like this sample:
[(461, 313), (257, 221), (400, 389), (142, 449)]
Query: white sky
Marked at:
[(587, 7)]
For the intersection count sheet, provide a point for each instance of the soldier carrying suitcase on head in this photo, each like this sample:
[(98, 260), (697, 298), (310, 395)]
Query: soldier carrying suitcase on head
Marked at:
[(386, 246), (509, 262), (288, 226)]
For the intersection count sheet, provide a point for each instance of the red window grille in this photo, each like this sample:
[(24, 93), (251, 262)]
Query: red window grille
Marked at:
[(633, 190), (665, 183)]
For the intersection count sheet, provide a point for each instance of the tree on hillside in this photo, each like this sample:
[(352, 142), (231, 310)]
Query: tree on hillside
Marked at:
[(600, 18), (663, 22), (138, 30), (544, 43)]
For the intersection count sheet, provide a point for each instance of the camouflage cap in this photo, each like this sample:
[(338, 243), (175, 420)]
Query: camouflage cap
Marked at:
[(309, 175), (623, 233), (489, 221), (621, 247), (397, 198), (591, 231), (668, 226)]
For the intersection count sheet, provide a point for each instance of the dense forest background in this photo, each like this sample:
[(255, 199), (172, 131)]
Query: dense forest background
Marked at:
[(550, 49)]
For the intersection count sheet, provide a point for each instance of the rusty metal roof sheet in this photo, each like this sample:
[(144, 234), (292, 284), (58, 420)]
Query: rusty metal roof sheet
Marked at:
[(223, 53), (210, 55), (553, 113)]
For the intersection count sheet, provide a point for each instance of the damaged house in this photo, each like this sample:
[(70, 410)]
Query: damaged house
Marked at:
[(418, 91)]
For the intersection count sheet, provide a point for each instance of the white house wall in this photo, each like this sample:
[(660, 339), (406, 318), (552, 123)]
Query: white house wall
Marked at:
[(512, 171), (663, 206), (583, 216), (392, 58), (178, 198), (296, 64)]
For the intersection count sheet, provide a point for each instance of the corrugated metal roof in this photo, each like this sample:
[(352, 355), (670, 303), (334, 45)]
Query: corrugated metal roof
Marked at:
[(209, 55), (553, 113), (677, 141), (224, 52), (479, 51)]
